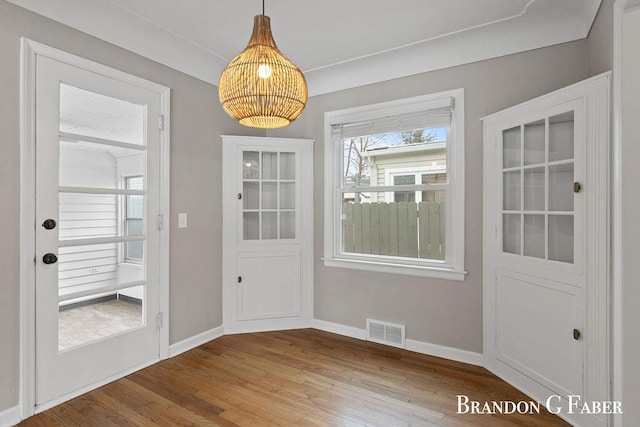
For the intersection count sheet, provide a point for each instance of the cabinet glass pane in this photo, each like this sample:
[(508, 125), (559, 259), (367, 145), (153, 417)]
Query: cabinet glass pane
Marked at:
[(561, 132), (534, 235), (250, 165), (269, 225), (561, 187), (251, 225), (534, 143), (561, 238), (511, 233), (287, 225), (511, 191), (534, 189), (250, 195), (269, 195), (269, 165), (287, 165), (511, 148), (287, 195)]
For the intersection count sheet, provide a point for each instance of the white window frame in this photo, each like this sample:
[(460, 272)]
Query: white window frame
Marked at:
[(125, 258), (453, 266)]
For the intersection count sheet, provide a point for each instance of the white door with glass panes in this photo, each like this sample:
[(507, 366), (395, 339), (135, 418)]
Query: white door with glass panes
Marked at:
[(545, 253), (268, 214), (97, 187)]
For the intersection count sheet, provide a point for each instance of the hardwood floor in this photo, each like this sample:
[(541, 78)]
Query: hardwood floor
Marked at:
[(301, 377)]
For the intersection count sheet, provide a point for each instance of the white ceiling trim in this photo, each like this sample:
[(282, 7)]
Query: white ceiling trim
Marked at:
[(534, 28)]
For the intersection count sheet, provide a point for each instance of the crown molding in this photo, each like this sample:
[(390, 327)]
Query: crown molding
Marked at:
[(542, 23)]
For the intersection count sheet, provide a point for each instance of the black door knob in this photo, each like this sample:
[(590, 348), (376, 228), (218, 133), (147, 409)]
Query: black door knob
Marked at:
[(49, 258), (49, 224)]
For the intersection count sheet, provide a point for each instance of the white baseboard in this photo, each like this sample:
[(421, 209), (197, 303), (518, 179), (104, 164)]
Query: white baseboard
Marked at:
[(450, 353), (10, 416), (336, 328), (195, 341)]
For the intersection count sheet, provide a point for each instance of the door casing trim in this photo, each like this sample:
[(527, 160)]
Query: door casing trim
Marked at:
[(30, 50)]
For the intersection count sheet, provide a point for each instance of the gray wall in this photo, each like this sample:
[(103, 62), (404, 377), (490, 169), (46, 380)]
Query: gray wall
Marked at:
[(197, 120), (435, 311), (600, 40), (630, 209)]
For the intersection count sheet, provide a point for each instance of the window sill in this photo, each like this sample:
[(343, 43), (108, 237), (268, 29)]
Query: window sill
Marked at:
[(406, 270)]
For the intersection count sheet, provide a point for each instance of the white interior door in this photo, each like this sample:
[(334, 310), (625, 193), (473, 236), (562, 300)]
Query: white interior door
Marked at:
[(97, 244), (267, 256), (545, 292)]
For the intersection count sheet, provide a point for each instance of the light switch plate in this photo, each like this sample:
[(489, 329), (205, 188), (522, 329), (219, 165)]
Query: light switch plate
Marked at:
[(182, 220)]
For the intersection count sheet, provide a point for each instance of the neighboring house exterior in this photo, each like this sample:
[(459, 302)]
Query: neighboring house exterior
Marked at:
[(410, 164)]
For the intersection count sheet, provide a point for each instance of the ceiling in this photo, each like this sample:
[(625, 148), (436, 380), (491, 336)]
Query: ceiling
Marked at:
[(338, 44)]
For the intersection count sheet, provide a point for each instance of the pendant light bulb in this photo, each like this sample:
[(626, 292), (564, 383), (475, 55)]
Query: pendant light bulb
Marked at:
[(264, 71)]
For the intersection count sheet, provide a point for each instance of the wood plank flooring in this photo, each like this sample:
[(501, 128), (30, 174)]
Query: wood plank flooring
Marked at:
[(293, 378)]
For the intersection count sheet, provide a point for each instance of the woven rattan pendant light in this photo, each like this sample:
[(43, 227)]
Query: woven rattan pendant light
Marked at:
[(260, 87)]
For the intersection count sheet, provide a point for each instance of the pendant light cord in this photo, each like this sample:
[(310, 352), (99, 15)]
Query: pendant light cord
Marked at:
[(262, 7)]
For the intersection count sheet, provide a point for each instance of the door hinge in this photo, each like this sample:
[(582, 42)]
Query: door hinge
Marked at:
[(159, 222), (159, 323), (161, 122)]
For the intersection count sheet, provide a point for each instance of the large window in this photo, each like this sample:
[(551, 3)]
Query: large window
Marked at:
[(395, 186), (133, 219)]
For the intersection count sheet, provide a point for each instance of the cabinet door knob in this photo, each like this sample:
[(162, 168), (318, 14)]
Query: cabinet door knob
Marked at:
[(577, 187), (576, 334)]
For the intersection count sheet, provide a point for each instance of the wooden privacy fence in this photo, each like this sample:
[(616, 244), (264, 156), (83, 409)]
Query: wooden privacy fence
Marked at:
[(406, 229)]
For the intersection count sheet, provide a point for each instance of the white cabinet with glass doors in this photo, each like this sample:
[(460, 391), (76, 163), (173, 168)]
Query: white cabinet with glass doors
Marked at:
[(546, 240), (267, 218)]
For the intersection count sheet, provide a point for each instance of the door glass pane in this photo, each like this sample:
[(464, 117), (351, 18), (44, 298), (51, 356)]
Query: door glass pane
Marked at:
[(511, 189), (89, 276), (269, 225), (287, 195), (100, 286), (91, 114), (85, 320), (269, 165), (269, 195), (511, 148), (287, 165), (251, 225), (90, 165), (85, 216), (561, 238), (561, 187), (534, 189), (561, 133), (251, 195), (250, 165), (511, 233), (534, 151), (287, 225), (534, 236)]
